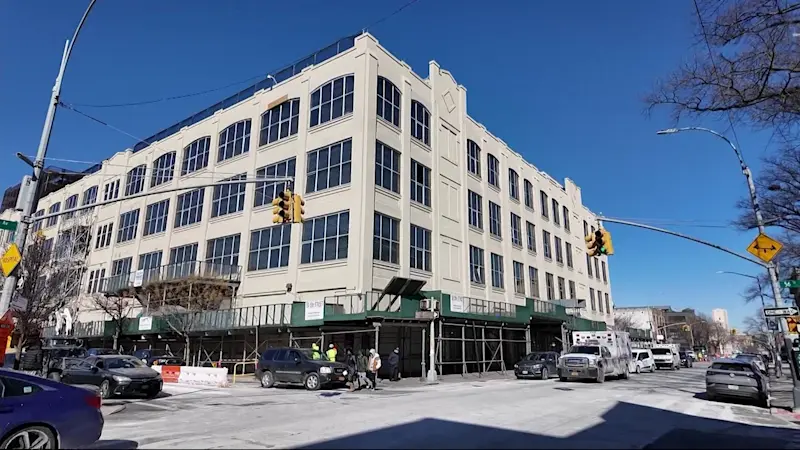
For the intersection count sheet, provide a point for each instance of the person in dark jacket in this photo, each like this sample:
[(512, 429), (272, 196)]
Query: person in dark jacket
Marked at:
[(362, 365), (394, 365), (352, 363)]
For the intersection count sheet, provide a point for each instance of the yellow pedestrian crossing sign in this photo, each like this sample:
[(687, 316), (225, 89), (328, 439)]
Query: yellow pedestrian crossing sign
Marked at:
[(764, 247)]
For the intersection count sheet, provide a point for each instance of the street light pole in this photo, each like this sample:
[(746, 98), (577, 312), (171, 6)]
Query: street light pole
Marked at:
[(773, 273), (31, 201)]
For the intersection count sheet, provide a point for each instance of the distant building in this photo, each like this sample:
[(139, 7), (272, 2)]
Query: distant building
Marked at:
[(642, 317), (720, 316)]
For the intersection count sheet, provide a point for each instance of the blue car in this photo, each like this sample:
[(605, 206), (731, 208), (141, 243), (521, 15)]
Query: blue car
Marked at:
[(40, 413)]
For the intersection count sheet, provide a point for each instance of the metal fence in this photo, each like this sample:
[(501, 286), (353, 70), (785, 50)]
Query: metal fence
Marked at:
[(172, 272)]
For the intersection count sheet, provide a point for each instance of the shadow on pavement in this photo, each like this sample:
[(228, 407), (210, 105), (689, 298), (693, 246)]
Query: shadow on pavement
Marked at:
[(624, 426), (115, 444)]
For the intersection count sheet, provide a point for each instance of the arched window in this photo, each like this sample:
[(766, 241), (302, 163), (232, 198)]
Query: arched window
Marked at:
[(195, 155), (163, 169), (494, 170), (473, 157), (134, 183), (420, 122), (332, 100), (234, 140), (389, 101), (279, 122)]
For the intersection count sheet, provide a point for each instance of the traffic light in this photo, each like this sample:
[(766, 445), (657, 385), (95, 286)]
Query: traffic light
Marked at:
[(282, 207), (686, 328), (592, 243), (791, 324), (297, 208), (733, 331), (606, 247)]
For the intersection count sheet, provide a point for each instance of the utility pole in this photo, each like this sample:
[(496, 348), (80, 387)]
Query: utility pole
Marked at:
[(771, 269), (31, 201)]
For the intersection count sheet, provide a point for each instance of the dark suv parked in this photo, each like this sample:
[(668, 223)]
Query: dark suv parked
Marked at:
[(303, 366)]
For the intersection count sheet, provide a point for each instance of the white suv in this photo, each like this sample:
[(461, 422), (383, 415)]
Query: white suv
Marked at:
[(643, 360)]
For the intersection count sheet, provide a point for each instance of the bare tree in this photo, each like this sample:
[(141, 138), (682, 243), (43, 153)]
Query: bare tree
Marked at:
[(706, 332), (118, 310), (184, 315), (745, 65), (623, 322), (47, 286)]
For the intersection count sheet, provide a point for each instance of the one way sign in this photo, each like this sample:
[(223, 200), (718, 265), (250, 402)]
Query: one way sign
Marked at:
[(787, 311)]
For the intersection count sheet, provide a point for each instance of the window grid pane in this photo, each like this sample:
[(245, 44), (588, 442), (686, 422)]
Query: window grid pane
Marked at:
[(565, 214), (332, 100), (134, 183), (189, 209), (513, 184), (528, 194), (54, 208), (386, 239), (420, 122), (531, 228), (420, 183), (548, 254), (222, 254), (104, 234), (128, 226), (533, 275), (388, 105), (195, 155), (559, 250), (544, 206), (495, 225), (494, 170), (279, 122), (475, 206), (548, 284), (234, 140), (568, 251), (387, 167), (111, 190), (89, 198), (420, 248), (556, 213), (476, 265), (328, 167), (155, 218), (497, 271), (473, 158), (229, 198), (163, 169), (325, 238), (269, 247), (266, 191), (70, 203), (516, 230), (519, 278)]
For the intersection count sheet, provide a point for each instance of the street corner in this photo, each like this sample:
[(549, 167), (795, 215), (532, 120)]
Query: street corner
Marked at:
[(791, 418)]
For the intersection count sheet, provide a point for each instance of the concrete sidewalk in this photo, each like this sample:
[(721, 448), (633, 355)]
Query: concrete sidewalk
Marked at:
[(780, 389), (249, 380)]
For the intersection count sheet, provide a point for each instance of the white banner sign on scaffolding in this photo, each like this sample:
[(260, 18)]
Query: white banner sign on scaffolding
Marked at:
[(457, 304), (315, 309)]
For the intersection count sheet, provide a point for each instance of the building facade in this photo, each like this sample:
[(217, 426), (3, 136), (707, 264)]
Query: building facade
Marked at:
[(643, 318), (397, 178), (720, 316)]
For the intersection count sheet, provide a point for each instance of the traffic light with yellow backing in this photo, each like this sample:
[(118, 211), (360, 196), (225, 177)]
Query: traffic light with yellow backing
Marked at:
[(592, 246), (606, 247), (282, 207), (733, 331), (686, 328), (791, 323), (297, 208)]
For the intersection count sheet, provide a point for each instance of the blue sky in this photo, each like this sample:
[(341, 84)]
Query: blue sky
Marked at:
[(561, 85)]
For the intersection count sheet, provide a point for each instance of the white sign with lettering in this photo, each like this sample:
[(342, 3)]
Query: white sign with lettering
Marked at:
[(457, 304), (315, 309)]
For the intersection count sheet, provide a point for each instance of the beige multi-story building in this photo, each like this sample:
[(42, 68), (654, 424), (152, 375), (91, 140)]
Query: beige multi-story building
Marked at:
[(720, 316), (397, 178)]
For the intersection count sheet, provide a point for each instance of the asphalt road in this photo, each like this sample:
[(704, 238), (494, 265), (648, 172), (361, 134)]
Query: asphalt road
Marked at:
[(661, 410)]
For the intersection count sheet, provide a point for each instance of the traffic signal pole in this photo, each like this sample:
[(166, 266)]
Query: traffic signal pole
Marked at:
[(30, 203)]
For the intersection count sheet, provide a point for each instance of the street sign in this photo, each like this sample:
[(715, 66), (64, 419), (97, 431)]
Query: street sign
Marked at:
[(772, 324), (786, 311), (9, 225), (10, 260), (790, 284), (764, 247)]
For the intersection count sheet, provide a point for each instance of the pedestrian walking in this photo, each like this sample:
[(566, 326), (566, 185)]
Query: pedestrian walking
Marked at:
[(374, 367), (394, 365), (362, 367), (352, 375)]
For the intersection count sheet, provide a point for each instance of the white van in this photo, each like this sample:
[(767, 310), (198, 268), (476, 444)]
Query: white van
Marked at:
[(643, 360), (667, 356)]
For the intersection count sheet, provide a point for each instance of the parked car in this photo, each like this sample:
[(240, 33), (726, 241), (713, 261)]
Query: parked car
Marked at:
[(150, 355), (114, 375), (643, 359), (299, 366), (755, 359), (736, 378), (686, 360), (40, 413), (537, 365)]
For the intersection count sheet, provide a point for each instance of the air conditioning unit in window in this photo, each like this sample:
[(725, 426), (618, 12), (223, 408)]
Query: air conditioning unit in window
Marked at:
[(425, 304)]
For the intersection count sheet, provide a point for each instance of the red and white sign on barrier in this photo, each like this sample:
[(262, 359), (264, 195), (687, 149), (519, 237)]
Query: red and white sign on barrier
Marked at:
[(196, 376)]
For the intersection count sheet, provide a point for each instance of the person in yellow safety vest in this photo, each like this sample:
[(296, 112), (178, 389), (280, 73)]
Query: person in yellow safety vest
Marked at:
[(331, 353), (315, 351)]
